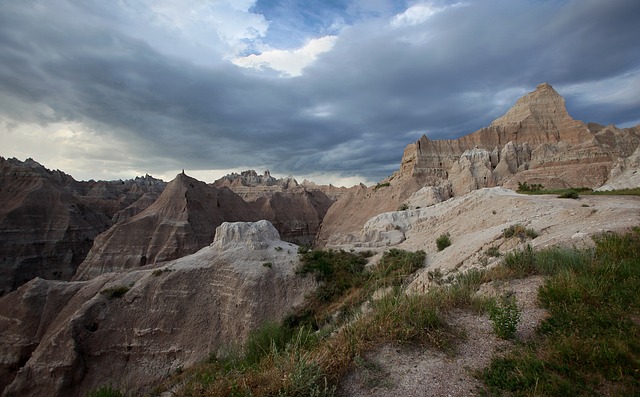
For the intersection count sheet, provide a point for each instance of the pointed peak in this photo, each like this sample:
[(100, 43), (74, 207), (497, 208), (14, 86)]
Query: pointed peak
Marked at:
[(544, 86), (543, 103), (183, 179)]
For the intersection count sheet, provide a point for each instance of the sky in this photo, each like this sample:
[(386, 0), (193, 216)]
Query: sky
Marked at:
[(329, 90)]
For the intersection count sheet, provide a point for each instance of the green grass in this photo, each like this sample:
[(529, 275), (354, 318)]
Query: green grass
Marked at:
[(621, 192), (105, 391), (590, 343), (115, 292), (538, 189), (443, 241)]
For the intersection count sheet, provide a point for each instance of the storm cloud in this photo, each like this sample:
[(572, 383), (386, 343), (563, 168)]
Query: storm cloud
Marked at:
[(106, 89)]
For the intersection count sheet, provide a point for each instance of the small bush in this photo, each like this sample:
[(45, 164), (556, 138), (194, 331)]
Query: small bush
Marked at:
[(381, 185), (505, 315), (518, 230), (159, 272), (105, 391), (403, 207), (493, 251), (570, 194), (523, 187), (443, 241), (268, 265), (115, 292), (435, 276)]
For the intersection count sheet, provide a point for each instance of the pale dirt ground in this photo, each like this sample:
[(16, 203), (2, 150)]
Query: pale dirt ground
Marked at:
[(415, 371)]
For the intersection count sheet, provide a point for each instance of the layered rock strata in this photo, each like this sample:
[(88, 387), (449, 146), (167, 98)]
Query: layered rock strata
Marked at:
[(132, 329), (48, 220), (295, 210), (181, 221)]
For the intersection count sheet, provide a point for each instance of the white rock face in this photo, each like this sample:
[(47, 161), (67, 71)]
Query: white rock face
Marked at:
[(472, 171), (625, 174), (430, 195), (251, 235)]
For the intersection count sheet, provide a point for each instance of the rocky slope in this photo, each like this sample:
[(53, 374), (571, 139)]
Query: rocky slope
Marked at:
[(48, 220), (181, 221), (475, 223), (131, 329), (536, 142)]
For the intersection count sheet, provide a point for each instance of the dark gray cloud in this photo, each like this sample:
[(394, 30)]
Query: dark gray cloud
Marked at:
[(351, 112)]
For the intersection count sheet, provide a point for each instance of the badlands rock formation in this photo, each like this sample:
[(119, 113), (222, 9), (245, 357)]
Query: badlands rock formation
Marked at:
[(181, 221), (131, 329), (295, 210), (536, 142), (48, 220)]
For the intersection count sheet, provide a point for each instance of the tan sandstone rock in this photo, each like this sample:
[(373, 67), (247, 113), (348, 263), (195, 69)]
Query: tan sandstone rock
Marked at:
[(536, 141)]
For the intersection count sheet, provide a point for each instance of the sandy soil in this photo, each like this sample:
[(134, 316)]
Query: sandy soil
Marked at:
[(414, 371)]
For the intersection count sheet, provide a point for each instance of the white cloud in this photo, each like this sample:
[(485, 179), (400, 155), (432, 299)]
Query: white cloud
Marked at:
[(418, 13), (290, 62), (414, 15), (201, 30), (618, 90)]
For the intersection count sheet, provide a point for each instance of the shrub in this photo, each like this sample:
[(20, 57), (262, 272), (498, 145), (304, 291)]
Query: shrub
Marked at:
[(403, 207), (523, 187), (518, 230), (159, 272), (493, 251), (105, 391), (268, 264), (115, 292), (570, 194), (443, 241), (505, 315)]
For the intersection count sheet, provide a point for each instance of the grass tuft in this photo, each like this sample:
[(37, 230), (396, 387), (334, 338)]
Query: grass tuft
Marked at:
[(115, 292), (443, 241)]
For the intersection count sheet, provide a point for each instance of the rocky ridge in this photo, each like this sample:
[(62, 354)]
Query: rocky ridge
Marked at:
[(536, 141), (180, 222), (296, 210), (131, 329), (48, 220)]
